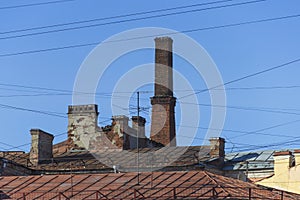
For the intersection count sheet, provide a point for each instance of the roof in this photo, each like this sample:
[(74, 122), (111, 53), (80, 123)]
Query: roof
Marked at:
[(154, 185), (125, 160), (249, 160)]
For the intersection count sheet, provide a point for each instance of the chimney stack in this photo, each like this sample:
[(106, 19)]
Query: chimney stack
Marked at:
[(41, 146), (138, 123), (82, 125), (163, 103), (122, 122), (217, 147)]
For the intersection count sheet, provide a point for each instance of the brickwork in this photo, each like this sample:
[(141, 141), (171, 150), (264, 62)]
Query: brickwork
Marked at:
[(82, 125), (163, 103), (217, 147), (138, 124), (41, 146), (119, 134), (163, 67)]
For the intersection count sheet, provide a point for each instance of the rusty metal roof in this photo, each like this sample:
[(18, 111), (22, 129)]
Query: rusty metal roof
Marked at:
[(154, 185), (126, 160)]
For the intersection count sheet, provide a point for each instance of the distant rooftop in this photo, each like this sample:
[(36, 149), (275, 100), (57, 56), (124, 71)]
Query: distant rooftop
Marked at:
[(249, 160)]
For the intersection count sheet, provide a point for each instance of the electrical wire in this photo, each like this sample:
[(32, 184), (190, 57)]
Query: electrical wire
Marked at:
[(31, 110), (112, 17), (267, 128), (128, 20), (34, 4), (240, 131), (288, 142), (246, 77), (150, 36), (261, 109), (27, 144)]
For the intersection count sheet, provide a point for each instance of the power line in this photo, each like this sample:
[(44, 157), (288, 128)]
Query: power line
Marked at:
[(267, 128), (26, 144), (31, 110), (262, 109), (70, 92), (57, 135), (112, 17), (239, 131), (35, 4), (246, 77), (129, 20), (264, 87), (8, 145), (288, 142), (150, 36)]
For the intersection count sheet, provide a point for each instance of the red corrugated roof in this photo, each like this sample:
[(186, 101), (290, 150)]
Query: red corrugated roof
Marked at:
[(155, 185)]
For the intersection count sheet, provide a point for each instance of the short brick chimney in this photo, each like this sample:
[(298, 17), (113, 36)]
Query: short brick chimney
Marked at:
[(41, 146), (217, 147), (138, 123), (120, 130), (121, 122)]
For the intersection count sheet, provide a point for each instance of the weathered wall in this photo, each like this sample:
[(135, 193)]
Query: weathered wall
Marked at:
[(82, 126), (286, 172)]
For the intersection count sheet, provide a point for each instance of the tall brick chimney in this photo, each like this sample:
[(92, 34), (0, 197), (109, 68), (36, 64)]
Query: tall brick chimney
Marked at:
[(163, 102), (41, 146)]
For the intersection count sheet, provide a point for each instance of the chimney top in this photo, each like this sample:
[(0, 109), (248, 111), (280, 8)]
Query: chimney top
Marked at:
[(120, 117), (217, 147), (139, 119), (78, 109), (36, 131), (163, 38), (165, 44)]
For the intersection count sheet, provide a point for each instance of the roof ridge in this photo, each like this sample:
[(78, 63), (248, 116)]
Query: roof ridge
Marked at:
[(216, 182)]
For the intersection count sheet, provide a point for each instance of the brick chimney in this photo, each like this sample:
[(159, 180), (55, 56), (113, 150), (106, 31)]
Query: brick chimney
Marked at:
[(41, 146), (163, 103), (122, 122), (217, 147), (138, 123), (82, 125)]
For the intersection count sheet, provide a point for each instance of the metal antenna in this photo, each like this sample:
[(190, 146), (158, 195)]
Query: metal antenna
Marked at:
[(137, 136)]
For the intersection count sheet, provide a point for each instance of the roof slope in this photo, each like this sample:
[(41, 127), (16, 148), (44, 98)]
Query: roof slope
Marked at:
[(126, 160), (162, 185)]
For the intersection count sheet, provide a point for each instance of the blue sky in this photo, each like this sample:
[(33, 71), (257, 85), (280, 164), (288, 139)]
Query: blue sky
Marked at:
[(254, 104)]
